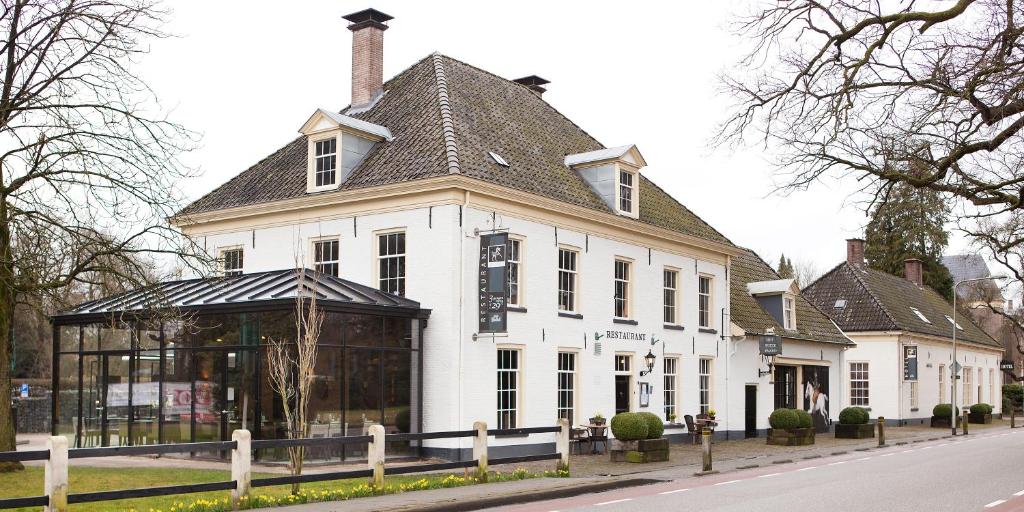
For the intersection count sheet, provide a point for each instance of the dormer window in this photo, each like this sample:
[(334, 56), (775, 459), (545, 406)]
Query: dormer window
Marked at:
[(337, 145), (613, 173), (625, 191), (789, 313), (920, 315), (326, 162)]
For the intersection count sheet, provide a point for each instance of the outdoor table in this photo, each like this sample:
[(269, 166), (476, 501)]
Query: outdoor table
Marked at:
[(592, 431)]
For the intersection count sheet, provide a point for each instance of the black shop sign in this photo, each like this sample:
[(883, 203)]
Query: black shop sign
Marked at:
[(492, 282), (909, 362)]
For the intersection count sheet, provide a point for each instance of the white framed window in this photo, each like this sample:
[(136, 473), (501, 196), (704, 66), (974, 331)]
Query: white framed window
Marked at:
[(789, 313), (914, 395), (992, 387), (567, 386), (509, 379), (704, 384), (968, 391), (514, 258), (920, 315), (568, 279), (391, 262), (623, 271), (859, 385), (326, 256), (232, 261), (704, 303), (670, 298), (670, 385), (979, 397), (626, 179), (325, 161), (958, 327), (623, 362), (942, 384)]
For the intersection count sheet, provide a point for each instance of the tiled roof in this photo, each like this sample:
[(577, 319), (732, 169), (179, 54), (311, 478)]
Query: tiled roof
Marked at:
[(811, 324), (877, 301), (445, 117)]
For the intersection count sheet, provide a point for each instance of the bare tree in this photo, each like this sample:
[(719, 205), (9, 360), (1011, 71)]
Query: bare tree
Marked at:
[(805, 272), (292, 366), (88, 163)]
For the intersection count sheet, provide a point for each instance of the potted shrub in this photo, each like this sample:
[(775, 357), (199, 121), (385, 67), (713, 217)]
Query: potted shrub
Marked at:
[(671, 418), (790, 428), (597, 419), (638, 438), (711, 414), (940, 415), (853, 424), (980, 413)]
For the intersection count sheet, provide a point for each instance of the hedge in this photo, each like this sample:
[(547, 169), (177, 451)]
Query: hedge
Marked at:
[(803, 419), (655, 427), (1013, 393), (784, 419), (944, 410), (854, 416), (629, 426), (981, 409)]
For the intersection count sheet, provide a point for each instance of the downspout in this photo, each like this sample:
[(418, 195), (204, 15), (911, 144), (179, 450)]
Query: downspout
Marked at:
[(462, 305), (899, 378)]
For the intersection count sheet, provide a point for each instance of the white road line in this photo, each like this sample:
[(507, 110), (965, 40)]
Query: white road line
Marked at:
[(769, 475), (864, 458), (613, 501), (906, 451), (728, 482), (888, 454), (943, 444), (1019, 493), (995, 503), (808, 468), (837, 463), (927, 448), (675, 491)]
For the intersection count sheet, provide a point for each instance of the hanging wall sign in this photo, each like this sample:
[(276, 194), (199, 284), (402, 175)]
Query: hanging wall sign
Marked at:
[(909, 362), (1006, 366), (492, 282), (771, 345)]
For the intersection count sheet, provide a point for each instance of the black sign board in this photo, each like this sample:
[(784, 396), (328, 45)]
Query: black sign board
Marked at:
[(1006, 365), (771, 345), (909, 362), (492, 282)]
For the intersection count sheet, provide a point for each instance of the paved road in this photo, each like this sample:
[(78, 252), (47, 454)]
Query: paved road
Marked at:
[(982, 472)]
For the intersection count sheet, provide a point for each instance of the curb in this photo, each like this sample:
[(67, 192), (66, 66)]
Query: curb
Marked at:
[(517, 499)]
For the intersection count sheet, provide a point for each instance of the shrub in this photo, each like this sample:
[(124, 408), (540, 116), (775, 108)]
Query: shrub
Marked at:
[(784, 419), (629, 426), (803, 419), (854, 416), (981, 409), (1013, 393), (655, 427), (943, 410)]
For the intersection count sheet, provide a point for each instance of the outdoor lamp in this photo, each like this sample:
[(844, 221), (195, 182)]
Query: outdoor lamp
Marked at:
[(649, 359)]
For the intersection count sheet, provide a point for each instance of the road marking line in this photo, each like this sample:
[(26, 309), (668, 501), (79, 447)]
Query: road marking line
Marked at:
[(995, 503), (906, 451), (927, 448), (613, 501), (675, 491), (728, 482), (888, 454), (837, 463), (769, 475), (808, 468), (1019, 493), (864, 458)]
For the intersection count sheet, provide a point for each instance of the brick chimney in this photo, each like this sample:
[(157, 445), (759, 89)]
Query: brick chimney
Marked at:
[(367, 28), (912, 270), (533, 83), (855, 252)]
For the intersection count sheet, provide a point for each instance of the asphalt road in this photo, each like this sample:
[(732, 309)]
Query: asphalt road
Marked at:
[(982, 472)]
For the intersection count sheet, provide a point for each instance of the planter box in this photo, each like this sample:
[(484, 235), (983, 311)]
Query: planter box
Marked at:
[(865, 431), (792, 437), (646, 450), (983, 419), (940, 422)]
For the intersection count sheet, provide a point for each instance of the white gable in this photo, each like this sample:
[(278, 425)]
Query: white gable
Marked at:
[(324, 119), (771, 287)]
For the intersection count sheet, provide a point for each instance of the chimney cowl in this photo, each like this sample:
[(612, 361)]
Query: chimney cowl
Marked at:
[(533, 83), (855, 252), (913, 271), (367, 18)]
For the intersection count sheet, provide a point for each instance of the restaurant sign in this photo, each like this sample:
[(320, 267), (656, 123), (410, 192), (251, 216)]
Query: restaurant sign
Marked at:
[(909, 362), (492, 283), (623, 335), (771, 345)]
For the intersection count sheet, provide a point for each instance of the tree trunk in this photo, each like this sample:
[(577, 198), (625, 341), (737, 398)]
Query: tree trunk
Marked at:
[(7, 442)]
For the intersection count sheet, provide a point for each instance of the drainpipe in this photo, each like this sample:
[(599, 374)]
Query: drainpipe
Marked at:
[(462, 304)]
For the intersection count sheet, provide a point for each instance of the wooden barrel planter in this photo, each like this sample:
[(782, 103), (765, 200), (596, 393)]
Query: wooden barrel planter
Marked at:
[(863, 431), (640, 451), (791, 436), (940, 422)]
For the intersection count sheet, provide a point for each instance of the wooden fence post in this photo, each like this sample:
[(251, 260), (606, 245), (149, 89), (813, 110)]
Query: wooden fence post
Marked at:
[(881, 431), (480, 449), (705, 439), (562, 444), (965, 422), (241, 465), (375, 456), (55, 474)]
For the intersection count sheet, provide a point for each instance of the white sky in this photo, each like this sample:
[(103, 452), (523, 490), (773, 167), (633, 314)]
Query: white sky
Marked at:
[(247, 75)]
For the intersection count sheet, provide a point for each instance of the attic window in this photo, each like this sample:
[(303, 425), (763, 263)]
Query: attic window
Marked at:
[(920, 315), (625, 191), (954, 323), (840, 304), (498, 159)]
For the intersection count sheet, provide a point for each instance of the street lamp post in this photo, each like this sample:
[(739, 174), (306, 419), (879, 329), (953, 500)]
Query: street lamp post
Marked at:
[(953, 370)]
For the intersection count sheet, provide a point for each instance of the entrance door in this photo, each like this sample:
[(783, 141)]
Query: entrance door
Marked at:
[(221, 391), (621, 393), (750, 410)]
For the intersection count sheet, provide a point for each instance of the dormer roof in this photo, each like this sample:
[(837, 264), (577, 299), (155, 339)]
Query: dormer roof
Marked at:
[(773, 287), (324, 119), (628, 153)]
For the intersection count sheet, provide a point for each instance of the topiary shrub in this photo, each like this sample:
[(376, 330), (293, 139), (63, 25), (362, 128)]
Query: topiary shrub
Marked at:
[(629, 426), (854, 416), (944, 410), (981, 409), (803, 419), (655, 427), (784, 419)]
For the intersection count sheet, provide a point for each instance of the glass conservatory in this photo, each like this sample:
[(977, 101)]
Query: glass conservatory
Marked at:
[(186, 361)]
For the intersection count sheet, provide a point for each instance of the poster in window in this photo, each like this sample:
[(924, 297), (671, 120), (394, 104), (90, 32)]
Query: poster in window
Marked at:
[(815, 387), (493, 283)]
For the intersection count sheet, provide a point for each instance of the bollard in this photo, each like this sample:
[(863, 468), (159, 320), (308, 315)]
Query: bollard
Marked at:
[(705, 440), (964, 422), (1013, 418), (375, 456), (55, 475), (241, 465), (881, 431), (562, 445), (480, 450)]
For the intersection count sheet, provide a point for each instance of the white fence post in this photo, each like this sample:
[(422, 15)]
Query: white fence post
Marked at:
[(480, 449), (562, 444), (241, 465), (375, 455), (55, 475)]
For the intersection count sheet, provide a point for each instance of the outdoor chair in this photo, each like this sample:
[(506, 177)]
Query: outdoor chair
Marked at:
[(577, 436), (598, 435), (691, 428)]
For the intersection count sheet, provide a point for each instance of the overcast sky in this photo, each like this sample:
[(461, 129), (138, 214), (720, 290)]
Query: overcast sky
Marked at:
[(247, 74)]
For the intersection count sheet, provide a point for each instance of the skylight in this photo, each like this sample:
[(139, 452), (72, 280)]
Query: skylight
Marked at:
[(954, 323), (498, 159), (840, 304), (920, 315)]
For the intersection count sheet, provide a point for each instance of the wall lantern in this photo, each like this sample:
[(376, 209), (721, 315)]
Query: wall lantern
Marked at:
[(649, 359)]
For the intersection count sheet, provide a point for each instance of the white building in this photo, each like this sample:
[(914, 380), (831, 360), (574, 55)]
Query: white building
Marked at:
[(394, 192), (904, 335)]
